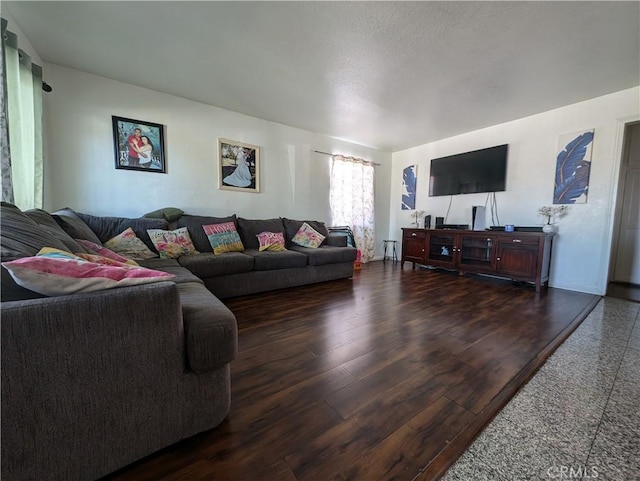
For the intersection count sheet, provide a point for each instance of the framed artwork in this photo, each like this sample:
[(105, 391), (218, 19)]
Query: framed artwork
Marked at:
[(573, 168), (409, 181), (138, 145), (238, 166)]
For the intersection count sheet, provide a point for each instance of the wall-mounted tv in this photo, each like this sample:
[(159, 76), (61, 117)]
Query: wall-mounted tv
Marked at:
[(483, 170)]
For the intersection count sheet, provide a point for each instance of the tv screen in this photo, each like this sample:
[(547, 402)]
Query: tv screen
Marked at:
[(482, 170)]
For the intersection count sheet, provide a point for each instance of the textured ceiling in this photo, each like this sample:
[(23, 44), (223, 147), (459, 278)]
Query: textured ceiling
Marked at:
[(390, 75)]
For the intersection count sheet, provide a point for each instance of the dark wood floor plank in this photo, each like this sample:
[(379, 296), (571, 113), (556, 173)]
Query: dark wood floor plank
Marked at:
[(269, 411), (389, 375), (401, 455)]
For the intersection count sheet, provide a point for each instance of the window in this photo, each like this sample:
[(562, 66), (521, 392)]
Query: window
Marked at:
[(352, 200)]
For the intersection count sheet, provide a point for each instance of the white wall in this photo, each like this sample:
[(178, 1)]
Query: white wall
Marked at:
[(582, 248), (80, 166)]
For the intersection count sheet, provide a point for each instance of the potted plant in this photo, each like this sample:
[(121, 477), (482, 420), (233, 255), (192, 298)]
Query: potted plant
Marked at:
[(551, 212), (417, 215)]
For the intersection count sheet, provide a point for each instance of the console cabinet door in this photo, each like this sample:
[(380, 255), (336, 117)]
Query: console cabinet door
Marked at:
[(476, 253), (413, 245), (517, 257), (442, 249)]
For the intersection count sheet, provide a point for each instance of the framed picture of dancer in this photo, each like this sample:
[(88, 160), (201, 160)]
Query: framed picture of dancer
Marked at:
[(138, 145), (238, 166)]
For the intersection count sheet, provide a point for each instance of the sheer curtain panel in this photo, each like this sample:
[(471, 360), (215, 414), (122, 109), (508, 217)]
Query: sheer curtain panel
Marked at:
[(22, 151), (352, 200)]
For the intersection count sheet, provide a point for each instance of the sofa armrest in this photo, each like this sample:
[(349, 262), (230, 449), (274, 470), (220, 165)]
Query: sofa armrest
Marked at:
[(337, 240), (83, 370), (94, 335), (211, 330)]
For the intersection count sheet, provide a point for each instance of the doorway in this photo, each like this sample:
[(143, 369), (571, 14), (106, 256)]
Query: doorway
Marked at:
[(625, 257)]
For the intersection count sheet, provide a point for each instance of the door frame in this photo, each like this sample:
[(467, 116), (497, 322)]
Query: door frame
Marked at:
[(622, 142)]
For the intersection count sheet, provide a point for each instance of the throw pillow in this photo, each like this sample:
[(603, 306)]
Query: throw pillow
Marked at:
[(291, 227), (127, 244), (74, 225), (170, 214), (307, 236), (271, 241), (172, 244), (97, 249), (223, 237), (195, 222), (54, 272)]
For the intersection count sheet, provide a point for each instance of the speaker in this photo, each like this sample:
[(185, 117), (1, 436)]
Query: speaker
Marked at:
[(427, 222), (478, 217), (439, 222)]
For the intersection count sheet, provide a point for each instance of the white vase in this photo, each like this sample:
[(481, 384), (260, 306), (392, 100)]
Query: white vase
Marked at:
[(548, 228)]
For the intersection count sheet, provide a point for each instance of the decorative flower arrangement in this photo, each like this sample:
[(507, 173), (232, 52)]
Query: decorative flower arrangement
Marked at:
[(417, 215), (551, 212)]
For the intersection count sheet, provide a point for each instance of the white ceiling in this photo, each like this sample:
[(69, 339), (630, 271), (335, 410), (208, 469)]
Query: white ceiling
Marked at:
[(390, 75)]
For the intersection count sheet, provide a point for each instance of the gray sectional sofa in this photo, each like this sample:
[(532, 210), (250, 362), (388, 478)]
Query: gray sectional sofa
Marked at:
[(94, 381)]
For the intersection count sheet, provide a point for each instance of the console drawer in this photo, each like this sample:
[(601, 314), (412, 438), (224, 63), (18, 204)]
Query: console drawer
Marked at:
[(414, 234)]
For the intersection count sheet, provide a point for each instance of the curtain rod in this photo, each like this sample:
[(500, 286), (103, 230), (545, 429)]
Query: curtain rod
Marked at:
[(332, 155)]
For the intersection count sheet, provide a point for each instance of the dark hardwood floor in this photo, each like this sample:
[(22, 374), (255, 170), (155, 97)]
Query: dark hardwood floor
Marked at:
[(388, 376)]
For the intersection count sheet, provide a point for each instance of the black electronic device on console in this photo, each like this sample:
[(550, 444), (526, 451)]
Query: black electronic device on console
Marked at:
[(427, 222), (452, 226)]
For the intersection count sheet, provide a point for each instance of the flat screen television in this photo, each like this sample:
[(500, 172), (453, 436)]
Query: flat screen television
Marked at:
[(483, 170)]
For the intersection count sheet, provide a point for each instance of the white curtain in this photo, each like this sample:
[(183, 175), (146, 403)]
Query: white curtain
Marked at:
[(352, 200), (22, 162)]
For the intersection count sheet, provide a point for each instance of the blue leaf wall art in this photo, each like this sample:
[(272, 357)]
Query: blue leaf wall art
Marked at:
[(573, 167), (409, 182)]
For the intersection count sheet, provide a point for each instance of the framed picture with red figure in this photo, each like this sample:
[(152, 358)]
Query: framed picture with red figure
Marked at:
[(138, 145)]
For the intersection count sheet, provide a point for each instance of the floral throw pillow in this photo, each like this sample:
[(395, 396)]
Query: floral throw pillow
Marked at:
[(128, 244), (307, 236), (271, 241), (99, 250), (223, 237), (172, 244)]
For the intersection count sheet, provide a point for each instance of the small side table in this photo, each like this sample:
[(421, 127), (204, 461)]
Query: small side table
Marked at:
[(394, 254)]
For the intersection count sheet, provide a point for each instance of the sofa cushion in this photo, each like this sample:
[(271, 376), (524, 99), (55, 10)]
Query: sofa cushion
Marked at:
[(54, 272), (49, 224), (107, 228), (223, 238), (337, 240), (74, 225), (293, 226), (250, 228), (195, 222), (182, 274), (21, 236), (272, 260), (210, 328), (327, 254), (207, 264), (172, 244), (157, 263)]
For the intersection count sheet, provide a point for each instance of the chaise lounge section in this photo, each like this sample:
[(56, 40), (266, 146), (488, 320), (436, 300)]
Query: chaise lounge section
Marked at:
[(94, 381)]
